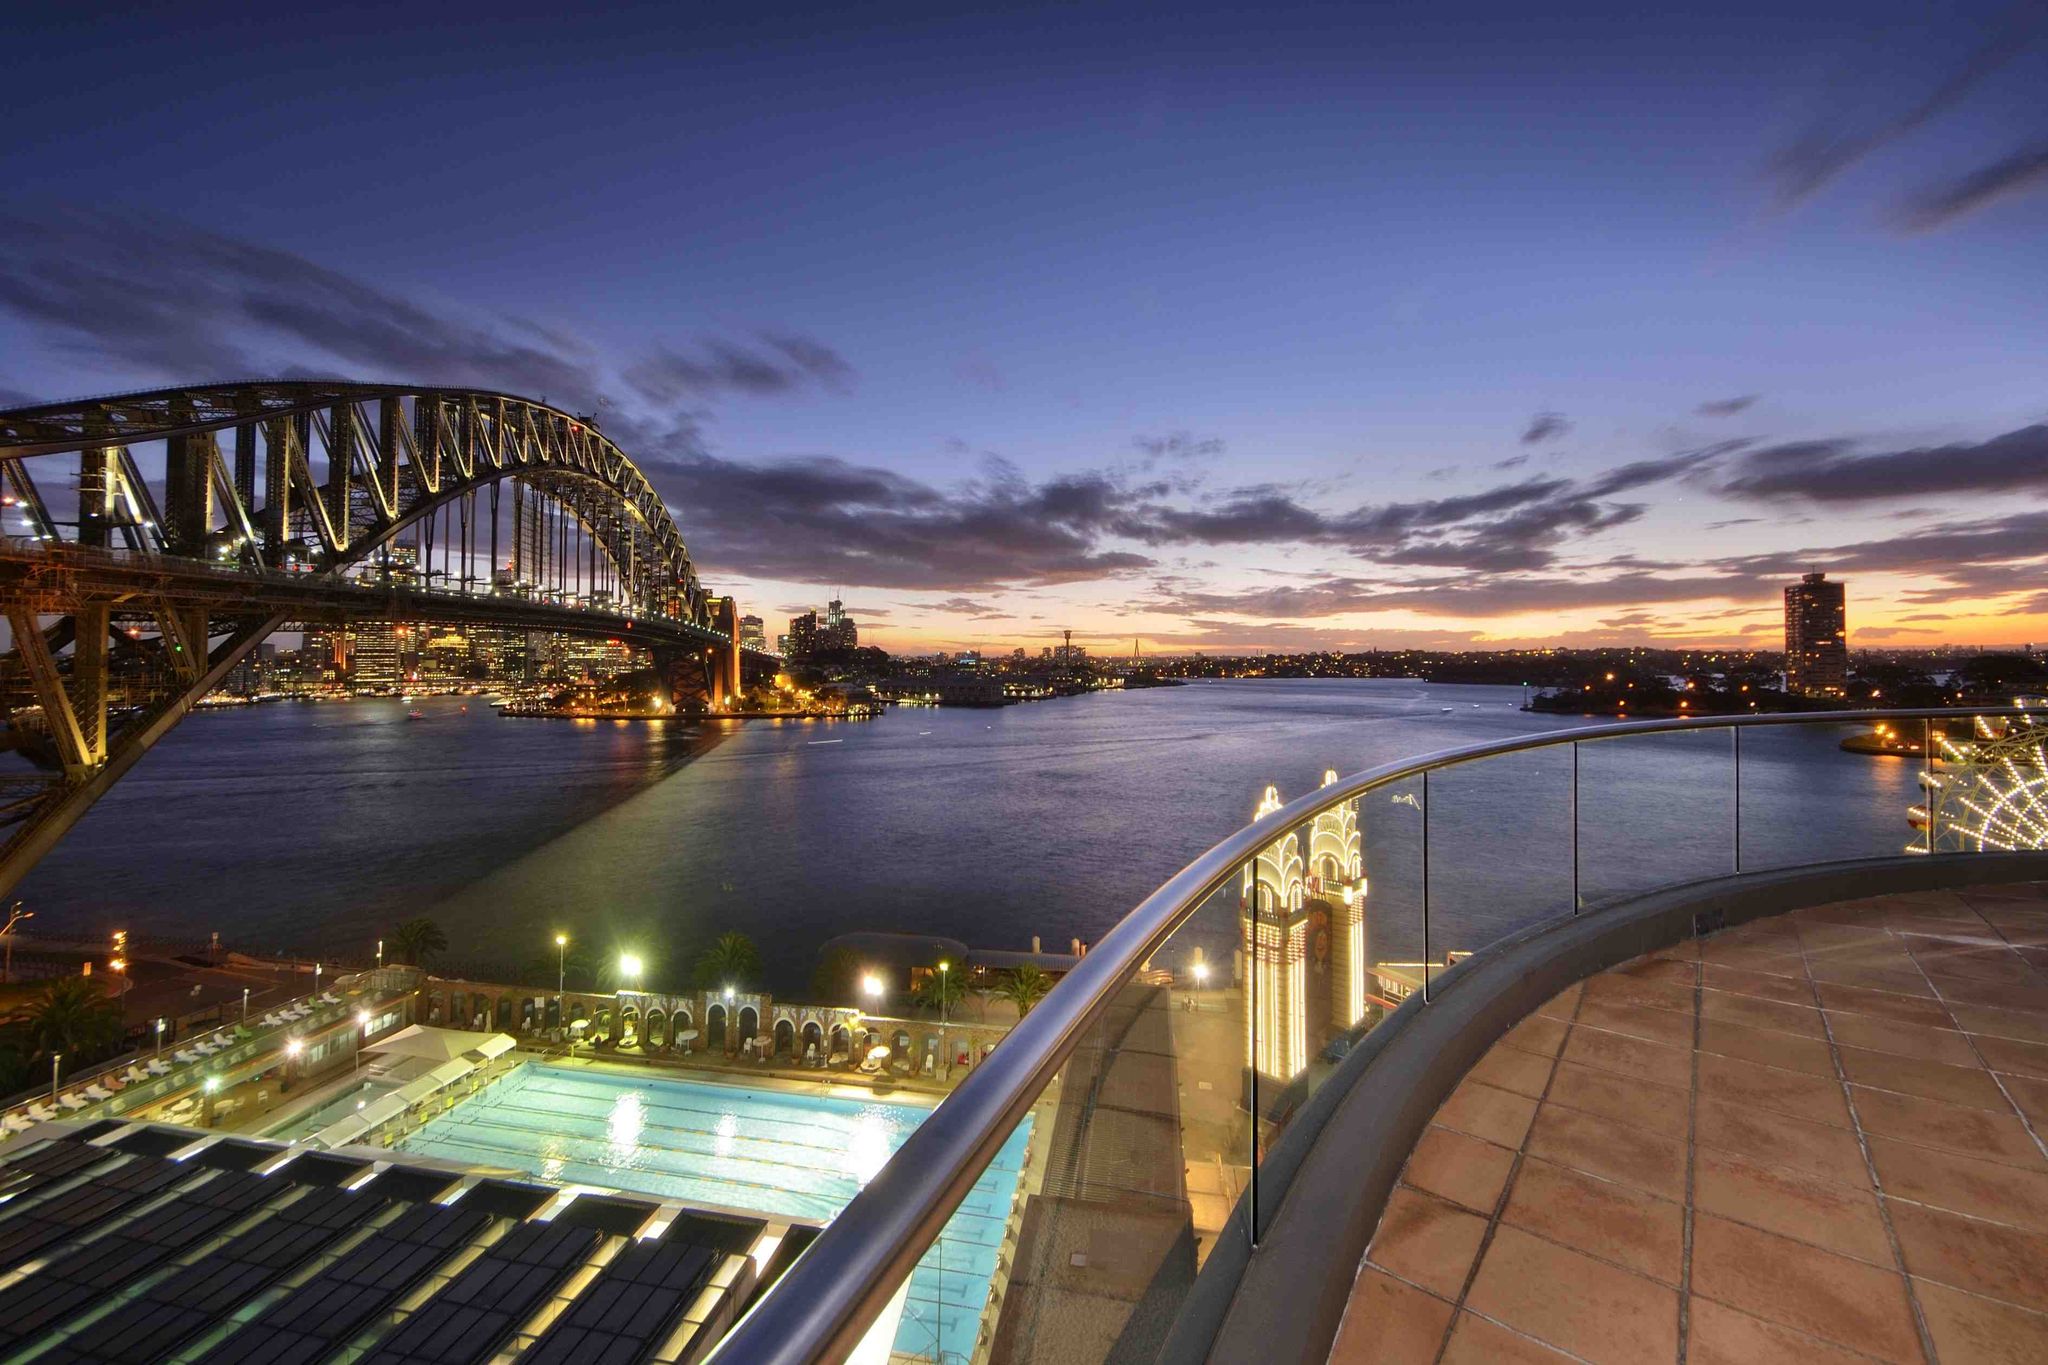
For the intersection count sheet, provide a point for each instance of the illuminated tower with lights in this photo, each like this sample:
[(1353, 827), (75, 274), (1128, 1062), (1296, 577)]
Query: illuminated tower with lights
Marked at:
[(1273, 920), (1816, 637), (1336, 867)]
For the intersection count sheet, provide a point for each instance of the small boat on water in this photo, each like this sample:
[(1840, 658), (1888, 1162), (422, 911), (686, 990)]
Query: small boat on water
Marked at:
[(1447, 710), (827, 741), (415, 715)]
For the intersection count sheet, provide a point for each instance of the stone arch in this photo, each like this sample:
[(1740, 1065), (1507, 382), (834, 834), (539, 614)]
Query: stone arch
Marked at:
[(785, 1037), (714, 1026), (1274, 883), (749, 1023), (601, 1026), (655, 1032), (842, 1040), (813, 1037)]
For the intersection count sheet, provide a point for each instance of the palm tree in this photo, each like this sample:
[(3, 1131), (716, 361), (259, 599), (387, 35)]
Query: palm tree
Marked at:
[(732, 960), (836, 979), (418, 939), (1024, 987), (939, 990), (73, 1016)]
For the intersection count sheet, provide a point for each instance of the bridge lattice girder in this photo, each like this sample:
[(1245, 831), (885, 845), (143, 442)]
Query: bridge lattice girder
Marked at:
[(156, 600)]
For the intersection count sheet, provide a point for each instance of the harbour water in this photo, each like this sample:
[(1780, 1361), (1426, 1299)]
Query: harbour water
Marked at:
[(318, 827)]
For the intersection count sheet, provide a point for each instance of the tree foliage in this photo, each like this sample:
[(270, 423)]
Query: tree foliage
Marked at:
[(731, 960), (418, 939), (1024, 987)]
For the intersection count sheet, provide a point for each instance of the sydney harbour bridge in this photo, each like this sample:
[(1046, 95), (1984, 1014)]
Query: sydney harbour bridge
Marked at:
[(149, 542)]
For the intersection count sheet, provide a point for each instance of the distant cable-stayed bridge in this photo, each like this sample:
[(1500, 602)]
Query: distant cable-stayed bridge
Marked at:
[(149, 542)]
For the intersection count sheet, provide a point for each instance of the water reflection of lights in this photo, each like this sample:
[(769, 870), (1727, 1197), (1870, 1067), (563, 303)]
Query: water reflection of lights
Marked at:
[(727, 1128), (622, 1128), (867, 1145)]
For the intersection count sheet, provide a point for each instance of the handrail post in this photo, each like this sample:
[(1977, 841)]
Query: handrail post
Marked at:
[(1927, 776), (1575, 827), (1736, 730), (1425, 886)]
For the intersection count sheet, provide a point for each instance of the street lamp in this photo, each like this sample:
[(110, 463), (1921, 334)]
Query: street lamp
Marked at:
[(1201, 980), (380, 954), (945, 985), (871, 986), (629, 967), (56, 1060), (15, 915), (561, 980), (245, 1007), (316, 978)]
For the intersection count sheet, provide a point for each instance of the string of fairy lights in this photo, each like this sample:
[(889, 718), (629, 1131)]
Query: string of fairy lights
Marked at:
[(1989, 791)]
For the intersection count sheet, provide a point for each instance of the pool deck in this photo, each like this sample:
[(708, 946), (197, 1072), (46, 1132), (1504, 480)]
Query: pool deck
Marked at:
[(1816, 1138)]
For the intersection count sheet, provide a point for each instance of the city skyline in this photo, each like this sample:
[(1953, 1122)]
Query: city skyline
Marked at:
[(1348, 331)]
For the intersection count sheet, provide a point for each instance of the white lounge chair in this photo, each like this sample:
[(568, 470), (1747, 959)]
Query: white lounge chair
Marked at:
[(158, 1067), (71, 1102), (17, 1123), (271, 1020), (98, 1092), (42, 1113), (134, 1074), (185, 1055)]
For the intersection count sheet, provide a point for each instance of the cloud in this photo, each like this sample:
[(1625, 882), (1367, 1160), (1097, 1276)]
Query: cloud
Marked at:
[(1511, 462), (1826, 150), (1179, 445), (1462, 596), (820, 519), (1830, 471), (2023, 170), (157, 300), (1545, 426), (962, 606), (1726, 407), (778, 363), (978, 370)]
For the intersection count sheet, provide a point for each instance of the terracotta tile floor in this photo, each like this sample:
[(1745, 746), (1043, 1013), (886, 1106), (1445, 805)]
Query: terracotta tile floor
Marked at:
[(1816, 1138)]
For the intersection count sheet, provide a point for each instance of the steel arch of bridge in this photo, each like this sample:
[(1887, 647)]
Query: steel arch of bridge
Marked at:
[(317, 478)]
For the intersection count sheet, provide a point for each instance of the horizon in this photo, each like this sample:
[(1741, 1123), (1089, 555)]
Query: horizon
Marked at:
[(1315, 330)]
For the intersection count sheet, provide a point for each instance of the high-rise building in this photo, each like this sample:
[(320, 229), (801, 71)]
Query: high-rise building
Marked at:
[(498, 655), (1816, 637), (753, 633), (803, 636), (374, 663), (838, 632)]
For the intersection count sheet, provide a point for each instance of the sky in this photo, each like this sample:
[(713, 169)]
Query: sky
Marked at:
[(1219, 328)]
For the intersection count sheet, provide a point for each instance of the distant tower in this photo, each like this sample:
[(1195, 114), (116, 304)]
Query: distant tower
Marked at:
[(1067, 649), (1816, 637)]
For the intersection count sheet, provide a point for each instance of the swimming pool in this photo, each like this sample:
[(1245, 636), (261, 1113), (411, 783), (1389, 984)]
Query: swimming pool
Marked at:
[(767, 1151)]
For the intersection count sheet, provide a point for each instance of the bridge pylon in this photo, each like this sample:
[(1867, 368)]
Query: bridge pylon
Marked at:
[(723, 665)]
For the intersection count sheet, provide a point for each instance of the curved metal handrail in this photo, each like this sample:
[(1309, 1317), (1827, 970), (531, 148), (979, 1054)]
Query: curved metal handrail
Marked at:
[(829, 1298)]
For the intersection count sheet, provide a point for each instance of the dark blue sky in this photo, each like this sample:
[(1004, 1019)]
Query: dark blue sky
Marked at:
[(1221, 327)]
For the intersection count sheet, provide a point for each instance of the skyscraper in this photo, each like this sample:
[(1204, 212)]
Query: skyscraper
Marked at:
[(1816, 637), (753, 634)]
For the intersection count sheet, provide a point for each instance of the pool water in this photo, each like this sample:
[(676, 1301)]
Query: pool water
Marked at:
[(765, 1151)]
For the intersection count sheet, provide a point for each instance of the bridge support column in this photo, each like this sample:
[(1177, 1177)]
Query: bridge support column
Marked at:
[(724, 664)]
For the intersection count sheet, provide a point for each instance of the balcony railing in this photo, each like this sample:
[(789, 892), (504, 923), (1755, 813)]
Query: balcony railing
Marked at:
[(1157, 1075)]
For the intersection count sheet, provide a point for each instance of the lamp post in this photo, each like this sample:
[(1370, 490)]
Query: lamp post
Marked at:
[(209, 1087), (1201, 980), (562, 982), (245, 1007), (159, 1035), (316, 978), (945, 985), (15, 915), (380, 954), (56, 1061)]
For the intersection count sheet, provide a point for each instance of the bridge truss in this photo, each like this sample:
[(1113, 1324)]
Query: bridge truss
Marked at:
[(149, 542)]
